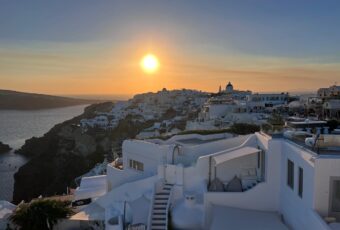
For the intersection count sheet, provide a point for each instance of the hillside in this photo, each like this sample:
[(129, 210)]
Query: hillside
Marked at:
[(30, 101), (65, 153)]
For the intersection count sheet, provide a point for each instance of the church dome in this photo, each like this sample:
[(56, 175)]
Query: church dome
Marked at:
[(229, 88)]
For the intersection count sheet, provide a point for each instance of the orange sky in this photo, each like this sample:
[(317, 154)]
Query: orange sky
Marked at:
[(95, 68), (94, 47)]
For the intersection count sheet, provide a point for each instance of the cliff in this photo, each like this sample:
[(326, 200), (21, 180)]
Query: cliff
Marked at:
[(31, 101), (65, 153), (4, 148)]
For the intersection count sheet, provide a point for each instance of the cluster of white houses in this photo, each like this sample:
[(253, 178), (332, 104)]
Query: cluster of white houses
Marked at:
[(221, 181), (148, 106), (217, 181), (226, 107), (233, 105)]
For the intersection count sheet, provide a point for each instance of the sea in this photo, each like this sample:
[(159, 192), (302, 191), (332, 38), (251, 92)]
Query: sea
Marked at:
[(15, 127)]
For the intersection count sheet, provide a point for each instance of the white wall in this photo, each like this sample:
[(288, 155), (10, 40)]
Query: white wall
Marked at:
[(257, 198), (219, 110), (297, 211), (325, 168), (150, 154)]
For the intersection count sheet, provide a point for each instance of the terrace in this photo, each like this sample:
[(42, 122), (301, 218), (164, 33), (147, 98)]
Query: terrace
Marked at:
[(237, 170)]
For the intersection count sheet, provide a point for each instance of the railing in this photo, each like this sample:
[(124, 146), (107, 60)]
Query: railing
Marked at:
[(117, 163), (154, 190), (157, 187), (168, 208)]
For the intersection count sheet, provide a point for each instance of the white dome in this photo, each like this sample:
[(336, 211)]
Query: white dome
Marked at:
[(294, 104)]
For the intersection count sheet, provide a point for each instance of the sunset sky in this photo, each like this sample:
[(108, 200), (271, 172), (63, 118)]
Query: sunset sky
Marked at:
[(94, 46)]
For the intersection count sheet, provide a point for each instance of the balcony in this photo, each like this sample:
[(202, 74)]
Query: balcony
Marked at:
[(117, 163)]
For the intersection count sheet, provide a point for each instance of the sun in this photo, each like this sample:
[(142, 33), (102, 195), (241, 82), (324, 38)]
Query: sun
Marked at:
[(149, 63)]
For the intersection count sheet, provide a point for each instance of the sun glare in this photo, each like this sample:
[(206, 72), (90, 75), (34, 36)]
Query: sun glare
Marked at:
[(149, 63)]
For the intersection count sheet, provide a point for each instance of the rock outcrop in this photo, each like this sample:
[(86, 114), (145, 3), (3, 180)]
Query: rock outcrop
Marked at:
[(58, 157), (65, 153), (30, 101), (4, 148)]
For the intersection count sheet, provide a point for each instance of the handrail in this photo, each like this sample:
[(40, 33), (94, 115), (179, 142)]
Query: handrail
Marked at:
[(151, 205), (168, 207)]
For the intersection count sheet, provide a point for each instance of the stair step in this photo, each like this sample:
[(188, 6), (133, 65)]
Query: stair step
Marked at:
[(163, 204), (158, 215), (166, 188), (158, 218), (159, 212), (160, 203), (161, 198), (159, 208), (158, 224), (163, 193)]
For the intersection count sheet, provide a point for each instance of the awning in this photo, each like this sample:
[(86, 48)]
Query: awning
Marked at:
[(92, 212), (234, 154)]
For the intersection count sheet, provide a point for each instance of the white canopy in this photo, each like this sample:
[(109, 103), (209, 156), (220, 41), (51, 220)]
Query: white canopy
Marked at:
[(90, 212), (234, 154), (6, 209), (91, 187)]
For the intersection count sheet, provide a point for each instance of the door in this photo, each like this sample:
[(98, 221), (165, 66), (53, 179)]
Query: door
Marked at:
[(335, 198), (170, 174)]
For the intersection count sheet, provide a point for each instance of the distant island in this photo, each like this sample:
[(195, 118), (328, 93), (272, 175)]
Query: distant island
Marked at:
[(31, 101), (4, 147)]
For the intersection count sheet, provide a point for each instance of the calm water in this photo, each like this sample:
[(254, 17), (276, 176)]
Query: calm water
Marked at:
[(17, 126)]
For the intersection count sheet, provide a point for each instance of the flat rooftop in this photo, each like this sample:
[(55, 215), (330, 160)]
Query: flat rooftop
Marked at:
[(242, 219), (196, 141), (330, 151)]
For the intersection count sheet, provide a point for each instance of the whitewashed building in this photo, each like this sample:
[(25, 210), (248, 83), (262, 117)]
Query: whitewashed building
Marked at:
[(262, 101), (221, 182)]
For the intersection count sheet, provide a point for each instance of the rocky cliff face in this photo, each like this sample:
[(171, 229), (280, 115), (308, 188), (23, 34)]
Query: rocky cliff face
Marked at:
[(58, 157), (30, 101), (4, 148), (65, 153)]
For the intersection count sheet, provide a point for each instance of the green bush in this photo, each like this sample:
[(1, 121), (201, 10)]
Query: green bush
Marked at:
[(244, 128), (40, 214), (332, 124)]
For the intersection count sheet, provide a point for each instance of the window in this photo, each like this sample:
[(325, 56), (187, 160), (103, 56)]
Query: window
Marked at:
[(300, 191), (136, 165), (290, 174), (335, 196)]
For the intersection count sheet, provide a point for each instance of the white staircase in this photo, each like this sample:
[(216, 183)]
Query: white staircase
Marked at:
[(160, 207)]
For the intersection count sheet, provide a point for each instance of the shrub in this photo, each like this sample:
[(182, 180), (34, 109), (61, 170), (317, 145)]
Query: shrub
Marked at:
[(244, 128), (40, 214)]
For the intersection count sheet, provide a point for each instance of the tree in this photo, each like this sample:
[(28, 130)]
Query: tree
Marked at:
[(40, 214), (244, 128)]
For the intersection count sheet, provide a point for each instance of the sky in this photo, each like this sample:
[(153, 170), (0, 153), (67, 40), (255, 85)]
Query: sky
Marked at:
[(84, 47)]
